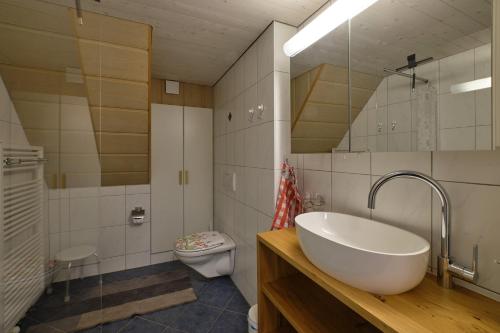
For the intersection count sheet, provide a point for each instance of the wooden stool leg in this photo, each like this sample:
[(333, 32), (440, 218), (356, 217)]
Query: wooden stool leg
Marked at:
[(68, 278)]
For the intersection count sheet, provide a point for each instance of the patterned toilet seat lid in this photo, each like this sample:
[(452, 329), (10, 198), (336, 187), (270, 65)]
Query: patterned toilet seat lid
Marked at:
[(199, 241)]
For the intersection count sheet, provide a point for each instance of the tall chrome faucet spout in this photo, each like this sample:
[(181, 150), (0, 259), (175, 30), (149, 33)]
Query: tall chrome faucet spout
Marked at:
[(446, 269)]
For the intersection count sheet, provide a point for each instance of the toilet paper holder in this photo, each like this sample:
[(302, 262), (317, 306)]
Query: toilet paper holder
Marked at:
[(138, 214)]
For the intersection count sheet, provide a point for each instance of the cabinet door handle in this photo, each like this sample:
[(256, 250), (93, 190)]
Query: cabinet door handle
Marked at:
[(186, 177), (180, 177)]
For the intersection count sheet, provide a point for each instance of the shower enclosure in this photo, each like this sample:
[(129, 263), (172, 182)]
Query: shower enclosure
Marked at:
[(64, 79)]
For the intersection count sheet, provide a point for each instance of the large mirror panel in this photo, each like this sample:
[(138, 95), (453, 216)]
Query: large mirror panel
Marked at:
[(319, 91), (420, 78)]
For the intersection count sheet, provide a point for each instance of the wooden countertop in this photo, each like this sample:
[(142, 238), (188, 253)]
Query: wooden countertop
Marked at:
[(427, 308)]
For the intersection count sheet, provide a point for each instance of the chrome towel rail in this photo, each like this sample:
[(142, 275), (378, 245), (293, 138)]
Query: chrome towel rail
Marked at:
[(10, 161)]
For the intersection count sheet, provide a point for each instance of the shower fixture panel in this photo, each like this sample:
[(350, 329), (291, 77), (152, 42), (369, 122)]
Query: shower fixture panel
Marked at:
[(412, 64)]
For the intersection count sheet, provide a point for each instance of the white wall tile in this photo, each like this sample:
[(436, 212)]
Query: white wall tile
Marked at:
[(230, 147), (474, 211), (112, 190), (457, 139), (265, 99), (136, 260), (266, 199), (400, 115), (112, 210), (111, 242), (406, 204), (84, 213), (457, 110), (84, 192), (250, 61), (251, 101), (158, 258), (467, 167), (483, 107), (455, 69), (482, 61), (351, 162), (137, 189), (381, 93), (383, 163), (137, 238), (350, 194), (321, 162), (265, 145), (399, 142), (252, 146), (282, 33), (483, 138), (282, 142), (251, 226), (265, 53), (319, 182), (138, 200), (239, 148), (112, 264), (359, 143), (360, 125), (281, 96), (399, 89)]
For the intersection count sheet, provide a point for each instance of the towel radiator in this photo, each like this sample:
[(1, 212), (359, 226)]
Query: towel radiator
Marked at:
[(22, 277)]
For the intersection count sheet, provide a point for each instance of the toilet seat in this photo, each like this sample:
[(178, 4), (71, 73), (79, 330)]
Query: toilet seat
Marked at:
[(199, 241), (228, 244)]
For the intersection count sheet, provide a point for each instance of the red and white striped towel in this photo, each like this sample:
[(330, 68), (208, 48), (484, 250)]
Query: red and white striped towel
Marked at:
[(288, 202)]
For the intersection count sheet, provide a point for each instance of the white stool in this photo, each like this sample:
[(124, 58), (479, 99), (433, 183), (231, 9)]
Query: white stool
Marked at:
[(74, 254)]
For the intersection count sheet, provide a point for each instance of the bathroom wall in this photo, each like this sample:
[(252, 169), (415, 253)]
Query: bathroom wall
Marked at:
[(472, 180), (100, 216), (463, 120), (251, 148)]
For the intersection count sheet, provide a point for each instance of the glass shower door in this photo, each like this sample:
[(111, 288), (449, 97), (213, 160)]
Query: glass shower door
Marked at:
[(51, 172)]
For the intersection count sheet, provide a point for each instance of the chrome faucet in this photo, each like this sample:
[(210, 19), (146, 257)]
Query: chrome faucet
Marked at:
[(446, 268)]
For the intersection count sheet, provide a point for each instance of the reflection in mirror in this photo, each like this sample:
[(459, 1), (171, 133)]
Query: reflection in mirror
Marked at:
[(319, 91), (421, 80)]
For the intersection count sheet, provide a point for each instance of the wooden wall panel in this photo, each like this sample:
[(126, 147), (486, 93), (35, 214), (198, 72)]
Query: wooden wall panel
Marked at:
[(124, 163), (113, 30), (128, 178), (114, 61), (120, 120), (117, 93), (189, 94), (122, 143)]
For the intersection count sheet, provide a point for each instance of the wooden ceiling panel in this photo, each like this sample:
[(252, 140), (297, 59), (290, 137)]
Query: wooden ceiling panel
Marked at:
[(198, 40)]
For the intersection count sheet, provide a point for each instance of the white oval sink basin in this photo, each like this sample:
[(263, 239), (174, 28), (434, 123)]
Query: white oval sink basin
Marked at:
[(369, 255)]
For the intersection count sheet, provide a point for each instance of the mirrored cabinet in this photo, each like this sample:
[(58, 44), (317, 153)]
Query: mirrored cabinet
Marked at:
[(400, 76)]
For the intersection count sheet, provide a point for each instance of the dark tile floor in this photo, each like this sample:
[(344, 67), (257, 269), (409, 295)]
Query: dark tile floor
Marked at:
[(220, 307)]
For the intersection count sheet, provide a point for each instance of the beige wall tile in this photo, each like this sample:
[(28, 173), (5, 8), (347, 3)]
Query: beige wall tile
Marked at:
[(350, 194), (383, 163), (474, 213), (351, 162), (469, 167)]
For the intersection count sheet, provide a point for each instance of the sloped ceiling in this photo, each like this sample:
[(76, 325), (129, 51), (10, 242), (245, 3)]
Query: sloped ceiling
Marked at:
[(198, 40)]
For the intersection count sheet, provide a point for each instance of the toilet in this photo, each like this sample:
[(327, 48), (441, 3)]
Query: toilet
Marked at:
[(210, 253)]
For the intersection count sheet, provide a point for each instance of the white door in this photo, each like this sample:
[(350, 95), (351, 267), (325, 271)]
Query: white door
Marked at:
[(198, 190), (166, 188)]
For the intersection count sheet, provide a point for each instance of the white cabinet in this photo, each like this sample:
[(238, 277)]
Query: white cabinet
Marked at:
[(181, 173)]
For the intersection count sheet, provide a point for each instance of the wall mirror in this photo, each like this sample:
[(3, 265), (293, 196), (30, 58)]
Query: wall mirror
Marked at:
[(420, 80)]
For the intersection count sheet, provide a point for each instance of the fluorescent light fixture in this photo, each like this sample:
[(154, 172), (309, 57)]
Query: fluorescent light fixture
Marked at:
[(471, 86), (332, 17)]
